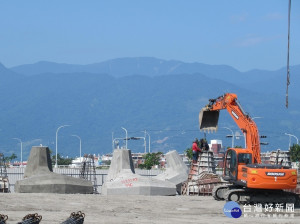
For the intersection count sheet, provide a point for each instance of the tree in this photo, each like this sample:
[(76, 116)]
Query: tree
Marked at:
[(295, 153), (10, 158), (189, 153), (151, 159)]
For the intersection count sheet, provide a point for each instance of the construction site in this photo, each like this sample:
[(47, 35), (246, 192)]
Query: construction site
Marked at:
[(245, 189), (118, 205)]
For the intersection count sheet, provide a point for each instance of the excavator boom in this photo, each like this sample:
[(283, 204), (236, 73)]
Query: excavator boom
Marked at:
[(209, 117)]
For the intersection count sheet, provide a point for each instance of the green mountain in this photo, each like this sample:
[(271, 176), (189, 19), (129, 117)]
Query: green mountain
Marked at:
[(97, 105)]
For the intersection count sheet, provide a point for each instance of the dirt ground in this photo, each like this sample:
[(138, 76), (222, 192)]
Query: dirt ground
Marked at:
[(56, 208)]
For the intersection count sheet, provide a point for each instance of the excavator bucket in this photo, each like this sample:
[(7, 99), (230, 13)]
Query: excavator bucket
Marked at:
[(208, 120)]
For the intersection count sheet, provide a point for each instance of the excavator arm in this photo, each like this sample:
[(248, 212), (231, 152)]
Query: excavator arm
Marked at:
[(209, 116)]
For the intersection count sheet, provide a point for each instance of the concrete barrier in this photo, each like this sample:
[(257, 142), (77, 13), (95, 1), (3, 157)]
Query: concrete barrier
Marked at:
[(176, 171), (122, 180), (39, 177)]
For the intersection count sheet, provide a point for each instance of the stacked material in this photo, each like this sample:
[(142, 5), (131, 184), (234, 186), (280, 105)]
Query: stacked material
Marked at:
[(202, 176), (206, 162), (280, 157)]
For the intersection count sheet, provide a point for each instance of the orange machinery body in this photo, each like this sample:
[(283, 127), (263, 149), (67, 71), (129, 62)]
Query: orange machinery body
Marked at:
[(243, 166), (262, 176)]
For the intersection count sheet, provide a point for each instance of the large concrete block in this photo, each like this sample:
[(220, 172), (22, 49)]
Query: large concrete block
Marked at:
[(176, 171), (39, 162), (122, 180), (39, 177), (122, 160), (133, 184), (54, 183)]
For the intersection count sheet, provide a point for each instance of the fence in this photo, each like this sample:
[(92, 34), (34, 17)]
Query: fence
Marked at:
[(16, 173)]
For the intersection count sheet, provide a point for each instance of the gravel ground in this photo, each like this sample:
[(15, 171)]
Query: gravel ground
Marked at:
[(55, 208)]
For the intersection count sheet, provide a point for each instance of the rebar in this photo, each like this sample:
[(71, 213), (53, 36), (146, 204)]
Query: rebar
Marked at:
[(75, 218)]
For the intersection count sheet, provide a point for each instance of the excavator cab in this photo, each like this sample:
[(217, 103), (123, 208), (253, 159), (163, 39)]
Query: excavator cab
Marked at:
[(233, 162), (230, 166)]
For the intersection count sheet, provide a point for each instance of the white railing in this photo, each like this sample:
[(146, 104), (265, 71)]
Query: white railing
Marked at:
[(17, 173)]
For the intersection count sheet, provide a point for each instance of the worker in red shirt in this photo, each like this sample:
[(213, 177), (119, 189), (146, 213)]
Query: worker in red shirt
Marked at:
[(196, 150)]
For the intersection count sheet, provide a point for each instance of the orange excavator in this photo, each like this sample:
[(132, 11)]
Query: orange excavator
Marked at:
[(248, 179)]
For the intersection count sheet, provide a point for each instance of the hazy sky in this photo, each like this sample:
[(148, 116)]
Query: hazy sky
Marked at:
[(245, 34)]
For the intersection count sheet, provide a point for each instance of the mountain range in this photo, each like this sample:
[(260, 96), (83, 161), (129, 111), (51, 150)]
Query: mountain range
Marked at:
[(160, 96)]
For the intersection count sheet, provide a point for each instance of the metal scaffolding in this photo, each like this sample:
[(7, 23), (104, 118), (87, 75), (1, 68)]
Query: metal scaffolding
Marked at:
[(88, 171), (4, 183)]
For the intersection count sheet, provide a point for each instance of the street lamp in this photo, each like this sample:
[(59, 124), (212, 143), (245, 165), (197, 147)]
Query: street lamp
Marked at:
[(116, 140), (138, 138), (290, 139), (21, 143), (232, 141), (126, 136), (149, 139), (66, 125), (79, 145)]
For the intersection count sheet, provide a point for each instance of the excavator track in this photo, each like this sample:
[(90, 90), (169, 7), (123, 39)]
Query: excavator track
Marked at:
[(235, 195), (246, 195), (218, 192), (267, 196)]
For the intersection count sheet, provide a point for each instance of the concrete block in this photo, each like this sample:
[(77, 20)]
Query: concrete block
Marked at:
[(122, 160), (133, 184), (39, 161), (122, 180), (39, 177), (54, 183), (176, 171)]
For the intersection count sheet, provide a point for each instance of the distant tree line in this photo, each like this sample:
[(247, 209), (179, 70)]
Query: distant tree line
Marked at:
[(61, 160)]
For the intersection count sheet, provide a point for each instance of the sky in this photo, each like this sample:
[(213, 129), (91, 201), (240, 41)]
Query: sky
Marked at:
[(245, 34)]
